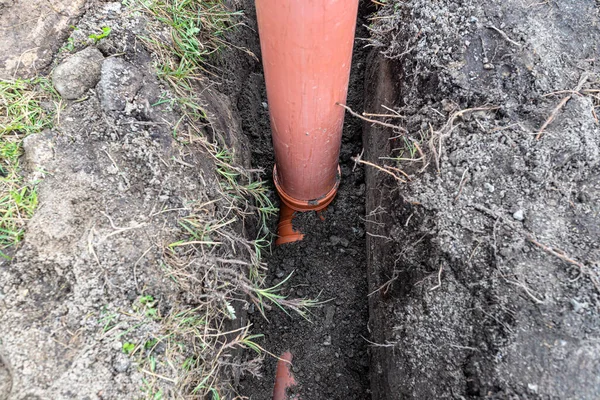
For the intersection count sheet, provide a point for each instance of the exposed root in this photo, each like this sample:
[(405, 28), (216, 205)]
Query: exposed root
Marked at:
[(387, 169), (435, 142), (504, 35), (437, 137), (561, 254), (584, 77), (439, 276), (374, 121), (527, 290), (461, 186)]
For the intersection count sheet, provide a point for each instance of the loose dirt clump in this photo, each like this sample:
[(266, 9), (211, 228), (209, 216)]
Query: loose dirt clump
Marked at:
[(485, 263)]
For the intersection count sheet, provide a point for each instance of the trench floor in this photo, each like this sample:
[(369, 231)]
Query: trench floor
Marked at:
[(330, 350)]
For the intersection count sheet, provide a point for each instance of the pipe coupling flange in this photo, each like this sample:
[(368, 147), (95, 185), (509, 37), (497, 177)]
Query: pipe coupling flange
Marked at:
[(307, 205)]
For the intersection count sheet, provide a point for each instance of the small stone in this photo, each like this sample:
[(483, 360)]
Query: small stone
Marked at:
[(447, 106), (114, 7), (78, 73), (335, 240), (358, 232), (119, 83), (583, 197), (577, 306), (533, 388), (519, 215), (38, 153), (329, 314), (121, 363), (280, 274), (265, 105), (490, 188), (488, 66)]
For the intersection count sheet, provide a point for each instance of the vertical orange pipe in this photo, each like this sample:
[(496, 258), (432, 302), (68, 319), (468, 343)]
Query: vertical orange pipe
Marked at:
[(306, 51)]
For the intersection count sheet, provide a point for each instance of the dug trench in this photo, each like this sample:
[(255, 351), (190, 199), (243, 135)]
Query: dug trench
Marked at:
[(462, 262), (329, 344)]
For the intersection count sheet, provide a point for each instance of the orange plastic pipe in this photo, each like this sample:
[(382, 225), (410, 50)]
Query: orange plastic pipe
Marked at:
[(307, 52), (284, 379)]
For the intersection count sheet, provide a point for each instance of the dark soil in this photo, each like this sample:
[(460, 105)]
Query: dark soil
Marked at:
[(330, 351)]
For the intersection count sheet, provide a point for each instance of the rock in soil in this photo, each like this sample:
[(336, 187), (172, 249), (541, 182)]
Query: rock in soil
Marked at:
[(119, 83), (32, 33), (78, 73)]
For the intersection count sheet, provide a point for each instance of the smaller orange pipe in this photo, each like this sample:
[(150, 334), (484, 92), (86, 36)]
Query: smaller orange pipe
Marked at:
[(285, 229), (284, 379)]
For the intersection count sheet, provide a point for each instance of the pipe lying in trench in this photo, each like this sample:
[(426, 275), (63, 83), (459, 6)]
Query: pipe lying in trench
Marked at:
[(306, 50)]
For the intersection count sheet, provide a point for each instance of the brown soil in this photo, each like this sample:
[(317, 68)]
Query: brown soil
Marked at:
[(114, 184)]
